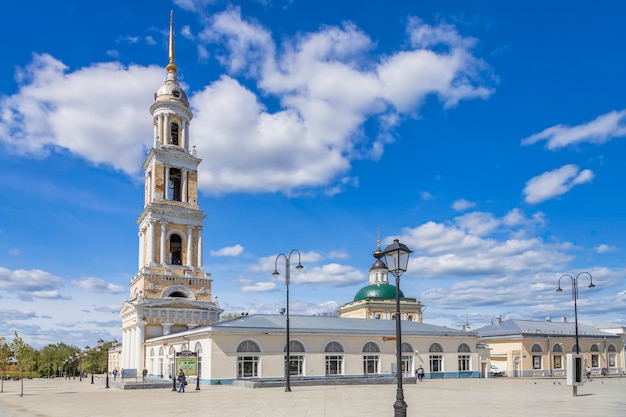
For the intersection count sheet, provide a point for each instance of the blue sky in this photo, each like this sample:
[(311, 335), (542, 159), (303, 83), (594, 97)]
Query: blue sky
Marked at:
[(487, 136)]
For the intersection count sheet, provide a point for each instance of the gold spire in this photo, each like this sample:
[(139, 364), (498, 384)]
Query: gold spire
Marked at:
[(171, 66), (378, 253)]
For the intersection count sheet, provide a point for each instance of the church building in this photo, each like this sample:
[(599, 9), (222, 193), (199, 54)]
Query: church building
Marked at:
[(171, 292), (378, 299)]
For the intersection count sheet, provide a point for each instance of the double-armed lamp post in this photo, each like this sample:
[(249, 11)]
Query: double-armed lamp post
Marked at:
[(113, 346), (276, 274), (397, 260), (575, 297)]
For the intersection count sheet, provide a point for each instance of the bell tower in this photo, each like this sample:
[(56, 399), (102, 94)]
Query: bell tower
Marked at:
[(171, 292)]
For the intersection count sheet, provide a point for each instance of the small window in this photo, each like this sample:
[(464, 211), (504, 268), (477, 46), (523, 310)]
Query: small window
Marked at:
[(175, 185)]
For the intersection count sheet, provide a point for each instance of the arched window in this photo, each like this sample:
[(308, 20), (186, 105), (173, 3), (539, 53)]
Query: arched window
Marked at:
[(595, 357), (371, 358), (296, 359), (334, 363), (333, 347), (464, 357), (574, 348), (612, 355), (175, 185), (176, 250), (435, 347), (247, 362), (161, 351), (464, 347), (294, 346), (557, 347), (537, 359), (406, 348), (248, 346), (371, 347), (436, 358), (174, 134)]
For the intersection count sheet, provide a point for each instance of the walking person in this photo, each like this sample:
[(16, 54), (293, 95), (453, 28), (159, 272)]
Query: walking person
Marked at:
[(181, 381), (420, 373)]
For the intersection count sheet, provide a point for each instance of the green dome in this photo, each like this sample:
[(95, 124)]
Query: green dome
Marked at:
[(383, 290)]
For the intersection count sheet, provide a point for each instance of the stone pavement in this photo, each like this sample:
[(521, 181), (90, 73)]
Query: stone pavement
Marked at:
[(455, 398)]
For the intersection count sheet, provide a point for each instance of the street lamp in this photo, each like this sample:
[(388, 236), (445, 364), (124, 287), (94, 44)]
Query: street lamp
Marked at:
[(397, 259), (87, 352), (80, 375), (575, 297), (276, 274), (113, 346)]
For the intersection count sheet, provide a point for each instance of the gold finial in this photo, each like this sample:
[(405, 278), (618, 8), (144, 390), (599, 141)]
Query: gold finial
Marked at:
[(171, 66), (378, 253)]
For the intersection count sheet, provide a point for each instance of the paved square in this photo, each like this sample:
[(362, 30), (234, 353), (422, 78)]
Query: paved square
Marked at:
[(465, 397)]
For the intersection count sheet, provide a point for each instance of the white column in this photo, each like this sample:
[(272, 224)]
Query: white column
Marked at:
[(167, 329), (184, 128), (163, 244), (189, 261), (156, 135), (200, 246), (139, 365), (151, 242), (124, 349), (166, 129), (131, 348), (140, 255), (160, 128), (166, 189), (184, 199)]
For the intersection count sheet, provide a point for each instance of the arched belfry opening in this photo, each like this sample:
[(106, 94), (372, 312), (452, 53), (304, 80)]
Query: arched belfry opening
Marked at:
[(174, 135), (176, 250)]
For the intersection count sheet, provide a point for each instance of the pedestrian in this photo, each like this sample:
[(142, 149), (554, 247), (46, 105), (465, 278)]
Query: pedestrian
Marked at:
[(114, 374), (420, 373), (181, 380), (588, 373)]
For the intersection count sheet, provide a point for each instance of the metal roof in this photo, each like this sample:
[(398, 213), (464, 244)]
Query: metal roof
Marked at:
[(275, 323), (540, 328)]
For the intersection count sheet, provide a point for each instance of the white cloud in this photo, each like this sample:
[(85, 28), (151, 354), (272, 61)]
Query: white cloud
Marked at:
[(426, 195), (555, 183), (333, 274), (449, 251), (235, 250), (259, 287), (55, 109), (603, 248), (30, 284), (98, 285), (602, 129), (327, 84), (478, 223), (462, 205)]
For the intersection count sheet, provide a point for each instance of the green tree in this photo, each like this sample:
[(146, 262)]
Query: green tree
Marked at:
[(5, 354), (25, 356)]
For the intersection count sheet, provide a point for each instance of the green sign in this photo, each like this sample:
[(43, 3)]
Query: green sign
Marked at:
[(189, 364)]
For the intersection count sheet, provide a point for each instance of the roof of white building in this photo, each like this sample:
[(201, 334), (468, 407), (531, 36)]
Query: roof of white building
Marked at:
[(276, 323), (539, 328)]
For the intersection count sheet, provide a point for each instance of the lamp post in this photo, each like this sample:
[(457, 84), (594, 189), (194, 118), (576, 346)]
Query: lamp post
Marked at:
[(87, 352), (397, 259), (100, 344), (276, 274), (575, 297), (79, 356), (113, 346)]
